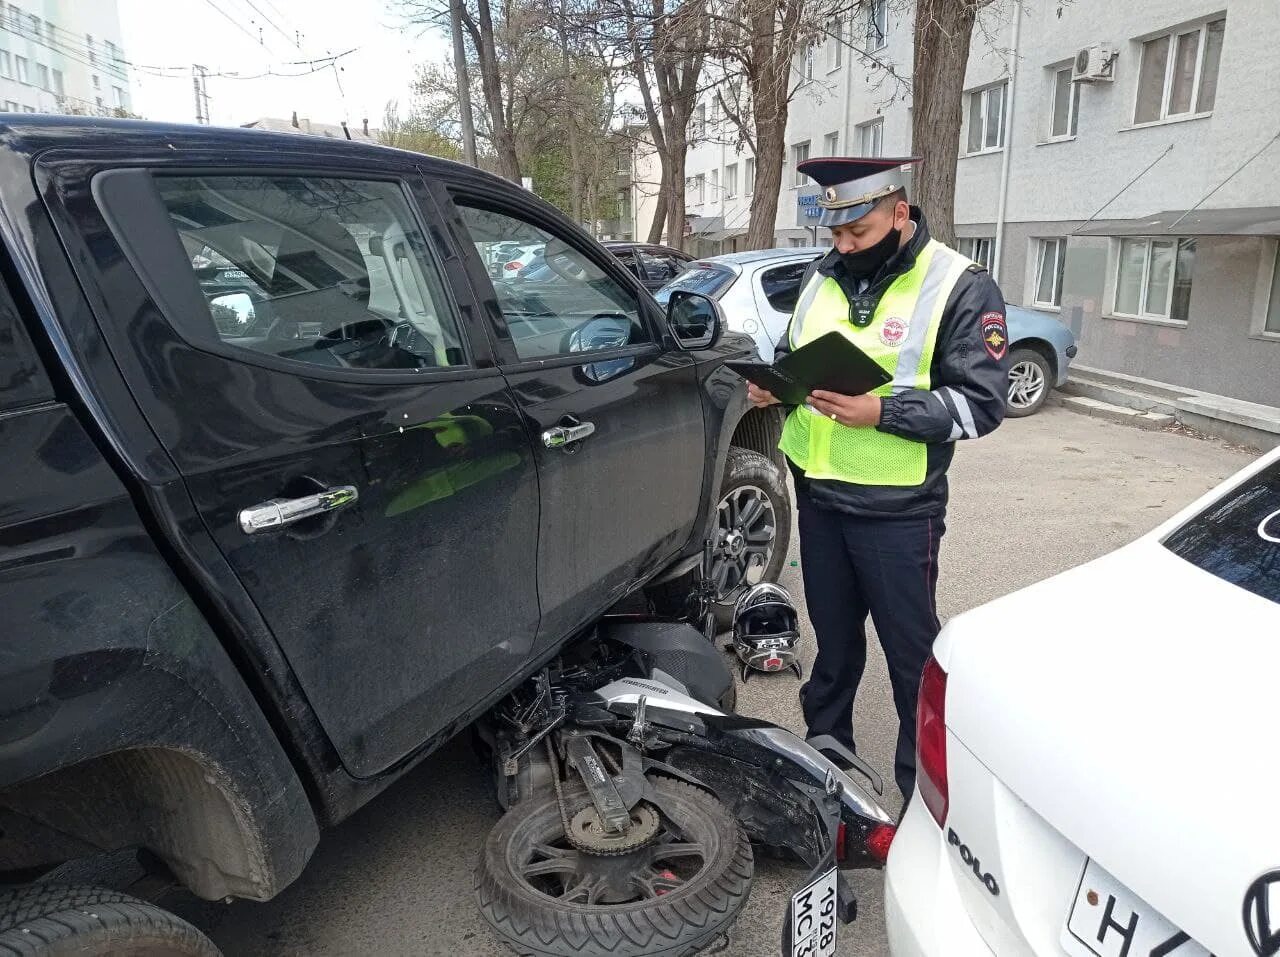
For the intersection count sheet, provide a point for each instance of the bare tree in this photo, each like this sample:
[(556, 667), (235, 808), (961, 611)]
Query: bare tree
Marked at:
[(476, 19), (943, 34)]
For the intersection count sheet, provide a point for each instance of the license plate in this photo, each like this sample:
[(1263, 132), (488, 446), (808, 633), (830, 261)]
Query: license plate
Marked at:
[(1110, 920), (813, 918)]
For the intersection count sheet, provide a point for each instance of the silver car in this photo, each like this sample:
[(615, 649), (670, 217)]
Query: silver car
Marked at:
[(758, 292)]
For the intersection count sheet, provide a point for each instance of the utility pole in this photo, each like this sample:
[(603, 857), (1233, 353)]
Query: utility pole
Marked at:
[(464, 83), (199, 80)]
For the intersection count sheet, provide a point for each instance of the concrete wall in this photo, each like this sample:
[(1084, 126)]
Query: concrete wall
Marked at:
[(1220, 349)]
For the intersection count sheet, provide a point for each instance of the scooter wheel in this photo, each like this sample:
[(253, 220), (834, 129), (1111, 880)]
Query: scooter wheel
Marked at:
[(669, 898)]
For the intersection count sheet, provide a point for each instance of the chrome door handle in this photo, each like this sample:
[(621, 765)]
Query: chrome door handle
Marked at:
[(562, 435), (285, 511)]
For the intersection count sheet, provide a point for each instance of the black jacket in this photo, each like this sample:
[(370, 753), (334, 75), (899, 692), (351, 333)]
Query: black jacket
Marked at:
[(969, 375)]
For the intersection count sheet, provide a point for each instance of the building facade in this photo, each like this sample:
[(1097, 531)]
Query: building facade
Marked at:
[(1116, 168), (63, 56)]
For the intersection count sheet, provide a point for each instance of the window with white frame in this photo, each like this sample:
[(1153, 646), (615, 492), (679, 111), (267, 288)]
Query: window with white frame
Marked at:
[(731, 181), (97, 82), (799, 153), (808, 61), (986, 118), (700, 188), (58, 87), (1153, 278), (93, 54), (42, 76), (835, 44), (28, 109), (11, 106), (20, 69), (1178, 75), (1051, 257), (715, 185), (871, 138), (877, 24), (977, 248), (1271, 326), (6, 65), (117, 95), (831, 144), (749, 176), (700, 122), (1066, 105)]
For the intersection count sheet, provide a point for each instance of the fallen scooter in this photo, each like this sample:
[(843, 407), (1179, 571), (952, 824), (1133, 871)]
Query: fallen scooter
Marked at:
[(634, 803)]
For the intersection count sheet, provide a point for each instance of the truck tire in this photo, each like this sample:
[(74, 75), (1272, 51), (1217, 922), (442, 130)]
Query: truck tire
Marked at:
[(59, 920), (527, 914), (750, 480)]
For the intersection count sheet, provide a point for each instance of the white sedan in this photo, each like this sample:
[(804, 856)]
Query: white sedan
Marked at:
[(1097, 765)]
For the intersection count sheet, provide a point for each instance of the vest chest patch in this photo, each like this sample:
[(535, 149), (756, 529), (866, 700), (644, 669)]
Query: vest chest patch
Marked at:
[(893, 331)]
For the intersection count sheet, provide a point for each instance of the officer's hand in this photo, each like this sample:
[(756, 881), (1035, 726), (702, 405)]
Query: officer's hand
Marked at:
[(851, 410), (760, 397)]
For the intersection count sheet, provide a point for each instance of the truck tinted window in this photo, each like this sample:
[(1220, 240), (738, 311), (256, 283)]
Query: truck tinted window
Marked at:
[(319, 270), (1238, 537)]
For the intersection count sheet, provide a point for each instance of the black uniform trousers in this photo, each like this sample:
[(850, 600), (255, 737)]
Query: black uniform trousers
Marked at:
[(853, 566)]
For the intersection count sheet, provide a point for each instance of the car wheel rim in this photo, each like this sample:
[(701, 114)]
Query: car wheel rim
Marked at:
[(1026, 384), (746, 531)]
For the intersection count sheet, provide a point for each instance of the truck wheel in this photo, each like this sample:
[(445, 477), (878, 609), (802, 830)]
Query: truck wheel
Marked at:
[(670, 897), (59, 920), (753, 528)]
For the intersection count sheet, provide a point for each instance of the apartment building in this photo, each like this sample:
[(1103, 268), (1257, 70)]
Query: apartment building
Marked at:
[(62, 56), (1116, 167)]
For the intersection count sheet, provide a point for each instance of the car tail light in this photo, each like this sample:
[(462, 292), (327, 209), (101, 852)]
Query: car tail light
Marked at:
[(931, 740), (512, 265)]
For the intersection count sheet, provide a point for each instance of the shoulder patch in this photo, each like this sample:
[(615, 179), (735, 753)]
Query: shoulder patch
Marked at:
[(976, 268), (995, 334)]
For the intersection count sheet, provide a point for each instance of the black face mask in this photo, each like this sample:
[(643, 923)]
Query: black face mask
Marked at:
[(865, 262)]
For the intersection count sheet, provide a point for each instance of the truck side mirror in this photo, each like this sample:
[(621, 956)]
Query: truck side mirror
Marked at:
[(695, 320)]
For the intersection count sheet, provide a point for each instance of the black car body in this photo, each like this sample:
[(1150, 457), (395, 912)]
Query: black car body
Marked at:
[(654, 265), (180, 671)]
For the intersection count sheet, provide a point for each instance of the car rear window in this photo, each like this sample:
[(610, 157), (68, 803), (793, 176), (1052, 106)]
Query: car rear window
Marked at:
[(1238, 537), (781, 285), (699, 277)]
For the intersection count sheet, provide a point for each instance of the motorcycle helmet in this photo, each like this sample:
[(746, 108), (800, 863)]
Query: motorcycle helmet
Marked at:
[(765, 630)]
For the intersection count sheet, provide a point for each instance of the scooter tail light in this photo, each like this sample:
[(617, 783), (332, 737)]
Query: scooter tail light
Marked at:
[(879, 840), (511, 266), (931, 740)]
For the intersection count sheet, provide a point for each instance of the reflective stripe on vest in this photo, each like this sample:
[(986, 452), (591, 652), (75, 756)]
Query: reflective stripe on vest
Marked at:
[(901, 337)]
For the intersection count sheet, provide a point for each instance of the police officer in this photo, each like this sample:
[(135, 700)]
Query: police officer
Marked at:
[(871, 470)]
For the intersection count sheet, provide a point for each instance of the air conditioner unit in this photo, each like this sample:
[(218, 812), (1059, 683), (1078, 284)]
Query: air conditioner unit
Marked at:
[(1094, 63)]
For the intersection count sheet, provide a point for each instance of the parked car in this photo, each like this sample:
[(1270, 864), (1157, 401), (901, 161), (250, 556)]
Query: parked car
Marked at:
[(652, 264), (263, 550), (758, 292), (1057, 808)]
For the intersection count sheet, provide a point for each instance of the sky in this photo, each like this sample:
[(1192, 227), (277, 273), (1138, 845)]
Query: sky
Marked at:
[(252, 37)]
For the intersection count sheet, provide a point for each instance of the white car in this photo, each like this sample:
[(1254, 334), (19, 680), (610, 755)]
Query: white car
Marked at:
[(757, 291), (1097, 767)]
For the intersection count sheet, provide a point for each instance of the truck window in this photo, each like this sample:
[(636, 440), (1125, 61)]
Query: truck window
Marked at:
[(314, 269), (563, 303)]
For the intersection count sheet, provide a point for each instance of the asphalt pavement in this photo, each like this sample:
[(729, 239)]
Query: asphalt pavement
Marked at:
[(1037, 497)]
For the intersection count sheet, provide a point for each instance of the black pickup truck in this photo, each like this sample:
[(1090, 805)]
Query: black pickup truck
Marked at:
[(291, 491)]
